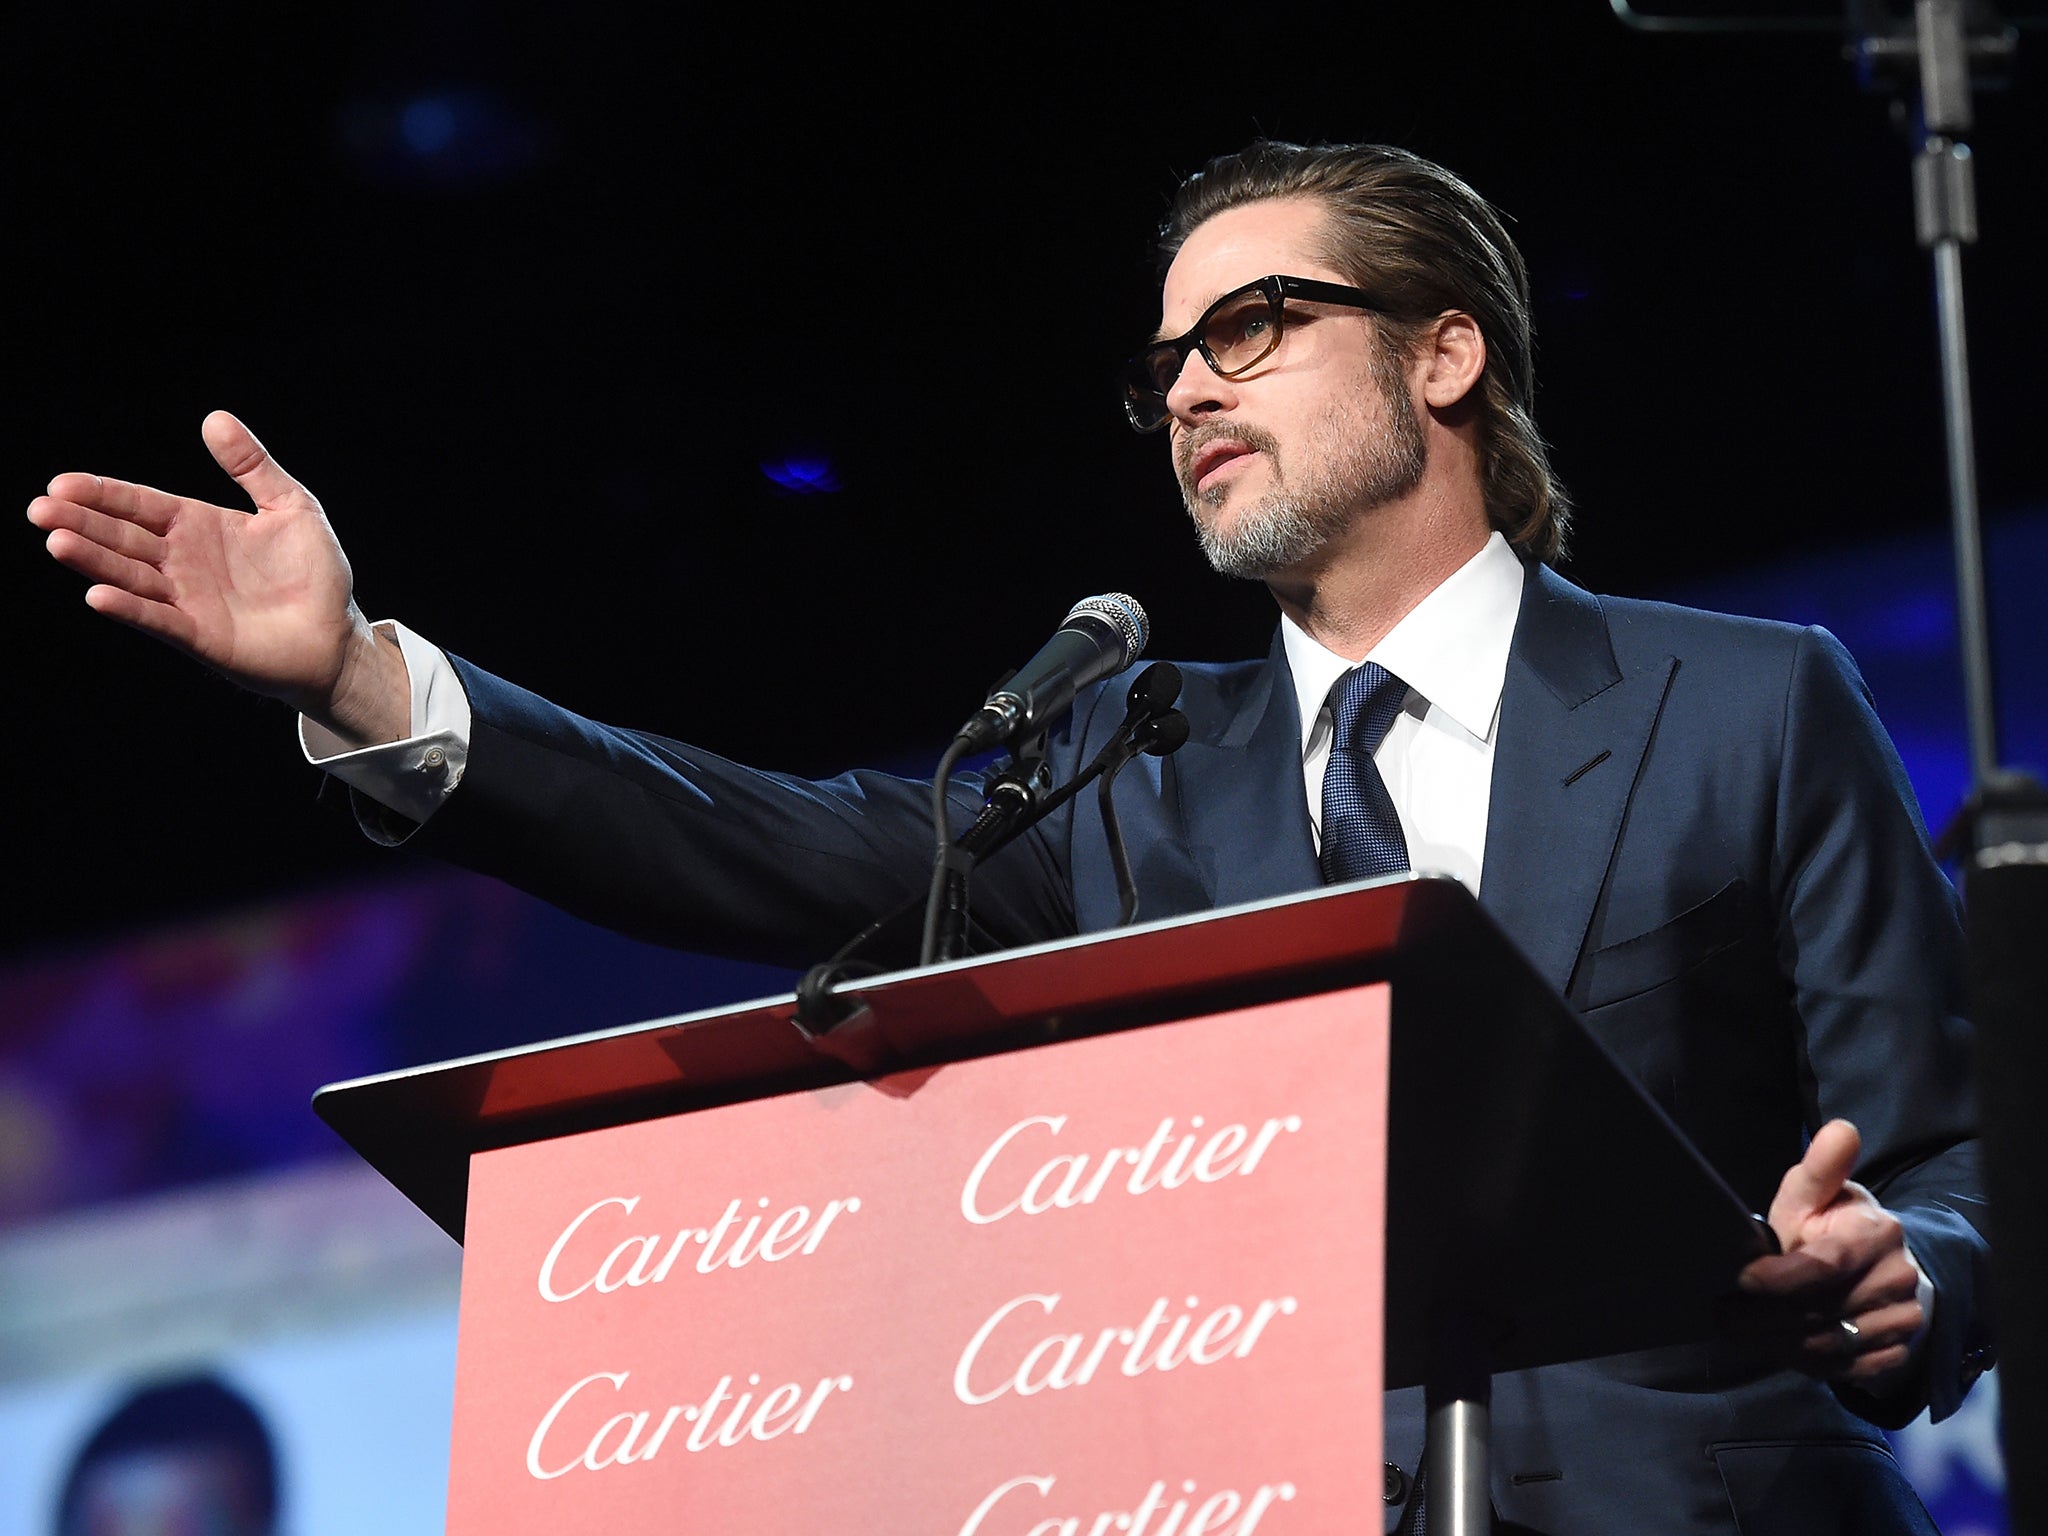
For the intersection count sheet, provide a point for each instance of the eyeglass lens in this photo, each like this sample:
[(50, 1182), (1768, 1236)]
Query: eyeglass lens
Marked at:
[(1240, 330)]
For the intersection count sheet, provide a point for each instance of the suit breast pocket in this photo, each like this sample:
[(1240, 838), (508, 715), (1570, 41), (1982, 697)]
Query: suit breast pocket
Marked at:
[(1649, 960)]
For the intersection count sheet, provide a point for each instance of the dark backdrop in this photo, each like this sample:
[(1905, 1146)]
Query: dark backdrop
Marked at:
[(536, 297)]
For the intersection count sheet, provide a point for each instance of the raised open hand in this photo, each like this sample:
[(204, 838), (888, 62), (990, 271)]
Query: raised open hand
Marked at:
[(265, 598)]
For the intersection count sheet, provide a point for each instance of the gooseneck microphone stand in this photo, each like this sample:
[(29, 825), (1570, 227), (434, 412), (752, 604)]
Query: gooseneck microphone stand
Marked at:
[(1018, 796)]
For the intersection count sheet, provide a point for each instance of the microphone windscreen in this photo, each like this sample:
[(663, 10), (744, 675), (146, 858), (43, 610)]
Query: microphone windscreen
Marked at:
[(1124, 613), (1155, 690), (1162, 734)]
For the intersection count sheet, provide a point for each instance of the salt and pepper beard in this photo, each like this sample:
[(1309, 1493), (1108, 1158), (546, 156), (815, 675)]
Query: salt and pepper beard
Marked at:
[(1350, 472)]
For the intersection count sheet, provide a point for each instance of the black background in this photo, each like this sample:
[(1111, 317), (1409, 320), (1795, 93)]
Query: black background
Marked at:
[(533, 371)]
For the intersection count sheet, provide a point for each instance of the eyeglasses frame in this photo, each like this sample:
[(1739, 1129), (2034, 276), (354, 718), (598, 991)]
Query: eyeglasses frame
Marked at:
[(1278, 289)]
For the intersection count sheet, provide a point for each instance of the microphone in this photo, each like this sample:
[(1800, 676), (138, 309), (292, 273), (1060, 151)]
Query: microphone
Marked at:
[(1099, 638), (1153, 694), (1162, 735)]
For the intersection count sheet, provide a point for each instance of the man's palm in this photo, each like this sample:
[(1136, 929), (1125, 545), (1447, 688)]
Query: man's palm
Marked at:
[(264, 599)]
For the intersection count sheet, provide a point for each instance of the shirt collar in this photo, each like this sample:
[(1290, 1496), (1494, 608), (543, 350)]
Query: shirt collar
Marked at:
[(1451, 648)]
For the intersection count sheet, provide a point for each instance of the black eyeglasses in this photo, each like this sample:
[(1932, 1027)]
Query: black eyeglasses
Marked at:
[(1234, 333)]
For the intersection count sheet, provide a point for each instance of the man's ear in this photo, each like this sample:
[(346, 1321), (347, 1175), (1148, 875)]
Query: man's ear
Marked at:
[(1456, 357)]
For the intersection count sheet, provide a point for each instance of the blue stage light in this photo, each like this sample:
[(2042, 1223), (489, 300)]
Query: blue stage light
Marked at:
[(449, 137), (428, 125), (804, 475)]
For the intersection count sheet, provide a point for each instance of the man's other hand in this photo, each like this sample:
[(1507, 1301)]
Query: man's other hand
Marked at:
[(265, 599), (1841, 1296)]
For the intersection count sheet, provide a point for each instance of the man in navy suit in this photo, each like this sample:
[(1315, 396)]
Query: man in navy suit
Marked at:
[(1692, 825)]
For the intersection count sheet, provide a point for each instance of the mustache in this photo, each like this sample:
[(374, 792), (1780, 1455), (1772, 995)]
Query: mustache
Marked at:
[(1256, 438)]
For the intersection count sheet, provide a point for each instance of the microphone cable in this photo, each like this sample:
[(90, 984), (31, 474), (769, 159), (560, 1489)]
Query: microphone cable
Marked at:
[(1155, 736), (993, 829)]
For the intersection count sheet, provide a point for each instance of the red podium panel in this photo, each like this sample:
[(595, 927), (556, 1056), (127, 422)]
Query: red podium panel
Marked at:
[(683, 1176), (1130, 1281)]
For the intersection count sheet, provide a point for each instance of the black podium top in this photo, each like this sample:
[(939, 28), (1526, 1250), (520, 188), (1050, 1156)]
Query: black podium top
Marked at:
[(1514, 1139)]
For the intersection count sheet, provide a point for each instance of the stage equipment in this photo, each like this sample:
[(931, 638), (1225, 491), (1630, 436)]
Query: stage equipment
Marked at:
[(1099, 638), (1928, 61)]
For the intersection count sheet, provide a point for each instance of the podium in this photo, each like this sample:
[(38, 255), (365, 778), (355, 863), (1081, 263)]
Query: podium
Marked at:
[(1129, 1228)]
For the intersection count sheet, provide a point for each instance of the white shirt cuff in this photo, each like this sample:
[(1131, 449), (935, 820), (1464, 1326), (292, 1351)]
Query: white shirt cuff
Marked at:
[(1923, 1292), (414, 776)]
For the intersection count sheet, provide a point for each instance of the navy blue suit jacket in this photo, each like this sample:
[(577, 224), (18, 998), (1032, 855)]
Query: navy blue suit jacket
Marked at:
[(1698, 832)]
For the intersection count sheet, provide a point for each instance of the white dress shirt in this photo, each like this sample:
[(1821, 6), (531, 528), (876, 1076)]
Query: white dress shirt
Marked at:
[(1437, 757)]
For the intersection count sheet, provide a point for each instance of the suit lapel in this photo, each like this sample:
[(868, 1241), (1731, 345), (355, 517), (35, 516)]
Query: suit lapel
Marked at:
[(1243, 815), (1573, 732)]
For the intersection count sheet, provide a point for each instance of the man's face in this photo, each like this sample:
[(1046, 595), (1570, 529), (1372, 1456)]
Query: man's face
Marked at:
[(1278, 461), (192, 1490)]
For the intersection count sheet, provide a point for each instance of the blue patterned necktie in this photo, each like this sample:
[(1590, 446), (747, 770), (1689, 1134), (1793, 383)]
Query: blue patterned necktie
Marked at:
[(1361, 833)]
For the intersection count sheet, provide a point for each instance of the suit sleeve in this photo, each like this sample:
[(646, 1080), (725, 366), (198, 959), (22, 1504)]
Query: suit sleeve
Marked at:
[(1869, 933), (675, 845)]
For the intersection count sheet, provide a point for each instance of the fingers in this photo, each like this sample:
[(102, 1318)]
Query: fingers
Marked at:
[(1840, 1302), (142, 505), (1801, 1293), (1833, 1340), (1812, 1184), (1892, 1279), (53, 515), (233, 446), (1855, 1250), (160, 620), (1879, 1328), (236, 449), (1802, 1275), (1864, 1346), (96, 562), (98, 546)]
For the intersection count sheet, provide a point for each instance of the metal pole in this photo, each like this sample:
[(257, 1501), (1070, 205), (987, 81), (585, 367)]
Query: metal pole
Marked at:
[(1972, 611), (1457, 1392), (1459, 1501), (1945, 213)]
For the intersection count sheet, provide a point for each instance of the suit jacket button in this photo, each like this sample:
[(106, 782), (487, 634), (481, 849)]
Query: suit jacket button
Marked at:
[(1397, 1485)]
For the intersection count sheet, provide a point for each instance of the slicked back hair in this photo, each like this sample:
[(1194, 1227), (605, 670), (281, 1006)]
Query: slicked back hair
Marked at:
[(1421, 242)]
